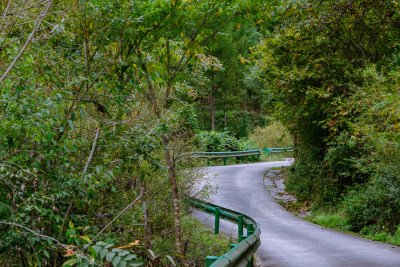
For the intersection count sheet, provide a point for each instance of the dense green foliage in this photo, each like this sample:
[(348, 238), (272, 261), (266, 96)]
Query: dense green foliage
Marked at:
[(273, 135), (331, 71), (97, 115), (219, 142), (226, 96), (101, 101)]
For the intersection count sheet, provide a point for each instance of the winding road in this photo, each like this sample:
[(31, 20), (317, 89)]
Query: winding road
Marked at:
[(287, 240)]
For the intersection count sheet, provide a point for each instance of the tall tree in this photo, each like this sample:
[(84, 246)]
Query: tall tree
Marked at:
[(312, 66), (96, 109)]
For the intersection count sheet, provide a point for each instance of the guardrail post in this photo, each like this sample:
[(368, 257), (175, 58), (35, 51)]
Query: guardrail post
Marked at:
[(259, 155), (224, 161), (217, 217), (208, 162), (250, 231), (242, 220), (242, 159), (240, 226), (251, 262), (210, 260)]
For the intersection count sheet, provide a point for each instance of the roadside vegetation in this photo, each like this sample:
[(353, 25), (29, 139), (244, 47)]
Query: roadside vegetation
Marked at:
[(331, 72), (334, 216), (101, 103), (273, 135)]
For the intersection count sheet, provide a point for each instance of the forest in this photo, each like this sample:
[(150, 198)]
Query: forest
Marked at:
[(102, 102)]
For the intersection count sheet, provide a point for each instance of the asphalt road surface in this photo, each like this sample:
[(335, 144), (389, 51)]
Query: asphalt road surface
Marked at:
[(287, 240)]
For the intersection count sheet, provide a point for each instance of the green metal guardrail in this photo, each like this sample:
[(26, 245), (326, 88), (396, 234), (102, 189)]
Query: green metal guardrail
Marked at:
[(277, 150), (229, 154), (240, 254)]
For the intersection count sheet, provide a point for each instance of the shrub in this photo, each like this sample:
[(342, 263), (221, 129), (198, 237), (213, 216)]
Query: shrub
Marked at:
[(376, 203), (219, 142), (200, 242), (274, 135)]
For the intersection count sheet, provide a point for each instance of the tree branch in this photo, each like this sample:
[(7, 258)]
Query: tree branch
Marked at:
[(37, 234), (37, 24), (5, 14), (113, 220), (84, 171), (340, 15)]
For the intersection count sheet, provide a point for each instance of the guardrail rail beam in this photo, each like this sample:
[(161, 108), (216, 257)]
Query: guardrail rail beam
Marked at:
[(242, 253)]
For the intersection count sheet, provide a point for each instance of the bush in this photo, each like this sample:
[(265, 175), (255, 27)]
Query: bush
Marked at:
[(219, 142), (200, 239), (304, 180), (274, 135), (376, 203)]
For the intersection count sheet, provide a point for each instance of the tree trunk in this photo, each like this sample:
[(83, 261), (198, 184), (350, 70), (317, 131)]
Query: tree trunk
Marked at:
[(212, 104), (225, 121), (175, 197), (23, 258), (147, 223), (151, 96)]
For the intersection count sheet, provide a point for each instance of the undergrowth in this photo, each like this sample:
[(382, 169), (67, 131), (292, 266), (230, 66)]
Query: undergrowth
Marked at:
[(200, 241), (339, 217)]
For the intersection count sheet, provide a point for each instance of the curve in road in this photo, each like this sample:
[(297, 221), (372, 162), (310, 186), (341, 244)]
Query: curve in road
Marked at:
[(287, 240)]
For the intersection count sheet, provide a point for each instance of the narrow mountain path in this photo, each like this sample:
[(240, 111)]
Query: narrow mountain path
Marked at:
[(287, 240)]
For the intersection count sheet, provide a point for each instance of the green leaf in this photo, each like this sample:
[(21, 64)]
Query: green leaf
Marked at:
[(116, 261), (116, 250), (71, 262), (123, 253), (122, 264), (110, 256), (130, 257), (151, 253), (109, 245), (97, 249), (101, 243), (136, 263), (171, 260), (46, 253), (103, 253), (92, 252), (71, 124)]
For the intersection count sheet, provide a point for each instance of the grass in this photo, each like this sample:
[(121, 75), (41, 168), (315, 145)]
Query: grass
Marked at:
[(277, 156), (338, 221), (199, 239), (330, 220), (381, 235)]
